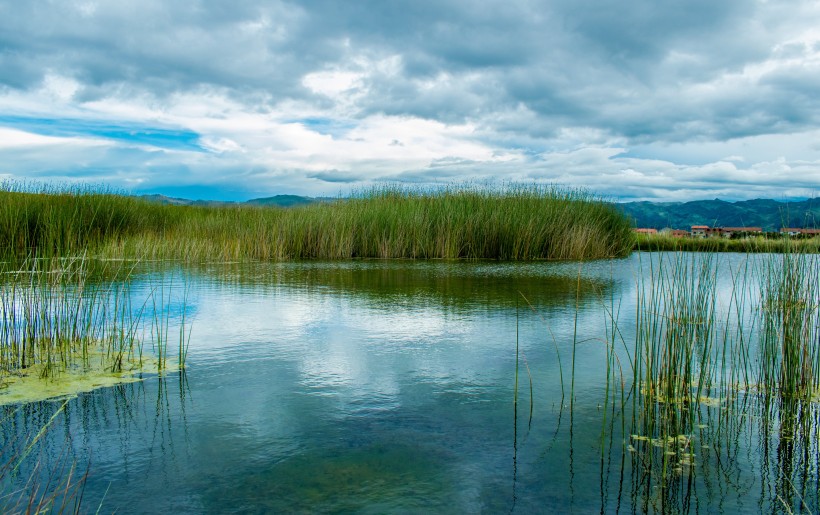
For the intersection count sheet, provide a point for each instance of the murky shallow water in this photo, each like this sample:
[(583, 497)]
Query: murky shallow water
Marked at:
[(389, 387)]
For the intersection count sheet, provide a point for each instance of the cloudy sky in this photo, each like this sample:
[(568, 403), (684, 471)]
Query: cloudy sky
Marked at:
[(645, 99)]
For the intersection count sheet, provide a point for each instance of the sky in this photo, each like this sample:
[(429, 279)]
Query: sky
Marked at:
[(662, 100)]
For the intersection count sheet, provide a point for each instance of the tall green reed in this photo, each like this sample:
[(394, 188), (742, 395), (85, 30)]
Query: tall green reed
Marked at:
[(675, 333), (757, 244), (722, 359), (713, 343), (459, 222), (51, 317), (163, 297), (790, 324), (52, 221), (55, 315)]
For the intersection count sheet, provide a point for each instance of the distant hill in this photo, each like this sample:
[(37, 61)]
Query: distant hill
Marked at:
[(275, 201), (769, 214), (281, 201), (162, 199)]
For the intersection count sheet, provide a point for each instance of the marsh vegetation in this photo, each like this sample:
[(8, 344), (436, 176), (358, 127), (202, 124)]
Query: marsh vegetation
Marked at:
[(662, 382), (514, 223), (754, 244), (722, 351), (68, 326)]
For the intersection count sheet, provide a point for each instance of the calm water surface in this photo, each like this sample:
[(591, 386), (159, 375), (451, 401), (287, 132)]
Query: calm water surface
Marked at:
[(388, 387)]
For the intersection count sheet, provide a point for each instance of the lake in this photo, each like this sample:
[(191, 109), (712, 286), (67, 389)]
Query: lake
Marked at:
[(390, 386)]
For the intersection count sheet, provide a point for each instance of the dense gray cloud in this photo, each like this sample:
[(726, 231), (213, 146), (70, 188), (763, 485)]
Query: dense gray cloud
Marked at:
[(641, 99)]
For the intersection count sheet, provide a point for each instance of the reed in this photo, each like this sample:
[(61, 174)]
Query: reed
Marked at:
[(759, 244), (714, 348), (790, 325), (465, 222), (673, 361), (49, 221), (58, 322), (51, 317), (686, 345)]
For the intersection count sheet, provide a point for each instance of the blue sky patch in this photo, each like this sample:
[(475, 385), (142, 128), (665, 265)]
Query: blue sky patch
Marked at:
[(172, 139), (326, 126)]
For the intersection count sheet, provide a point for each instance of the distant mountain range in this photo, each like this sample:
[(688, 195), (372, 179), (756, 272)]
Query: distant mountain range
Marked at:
[(769, 214), (275, 201)]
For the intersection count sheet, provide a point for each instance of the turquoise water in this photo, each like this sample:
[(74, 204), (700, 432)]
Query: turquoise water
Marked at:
[(390, 387)]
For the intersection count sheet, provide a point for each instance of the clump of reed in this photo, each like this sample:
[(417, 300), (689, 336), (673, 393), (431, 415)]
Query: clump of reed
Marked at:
[(51, 318), (790, 324), (687, 347), (676, 322), (757, 244), (54, 320), (49, 221), (460, 223), (713, 343), (464, 222), (674, 362)]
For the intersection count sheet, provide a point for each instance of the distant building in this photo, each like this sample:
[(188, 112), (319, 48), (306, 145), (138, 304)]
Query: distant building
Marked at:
[(792, 231), (646, 231), (701, 231), (678, 233), (727, 232)]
